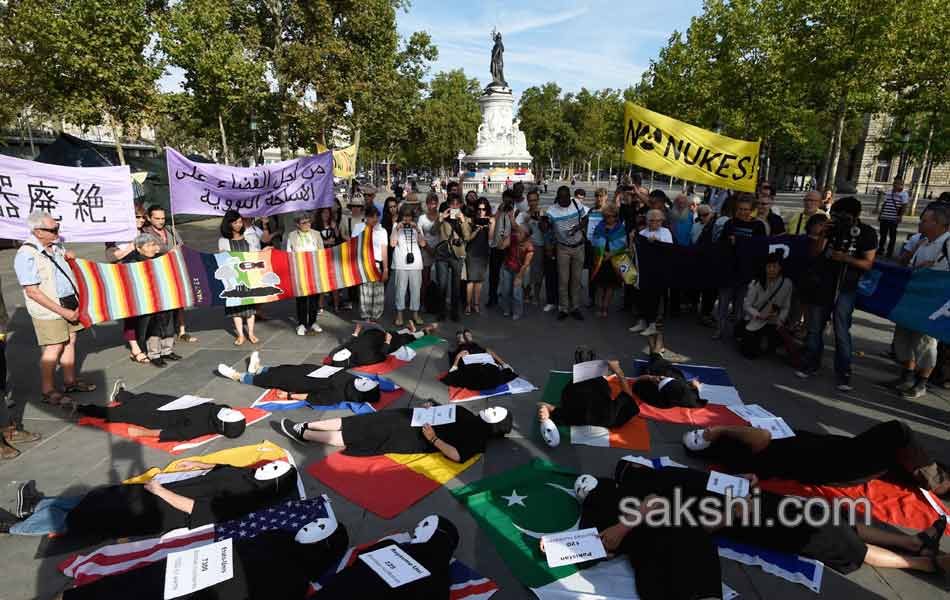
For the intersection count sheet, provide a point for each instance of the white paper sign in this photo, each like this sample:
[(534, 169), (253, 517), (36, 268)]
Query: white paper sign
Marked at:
[(478, 359), (184, 402), (639, 460), (590, 370), (433, 415), (164, 478), (324, 372), (725, 395), (571, 547), (191, 570), (776, 426), (719, 482), (394, 566), (751, 411)]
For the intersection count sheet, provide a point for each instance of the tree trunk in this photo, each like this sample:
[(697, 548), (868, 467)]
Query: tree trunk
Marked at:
[(923, 163), (389, 177), (224, 140), (836, 146), (118, 142), (823, 168)]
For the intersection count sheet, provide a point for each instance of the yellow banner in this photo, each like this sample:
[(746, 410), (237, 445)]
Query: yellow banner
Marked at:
[(675, 148), (344, 161)]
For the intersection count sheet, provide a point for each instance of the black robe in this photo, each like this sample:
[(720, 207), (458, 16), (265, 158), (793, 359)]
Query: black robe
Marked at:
[(269, 565), (142, 410), (479, 376), (676, 392), (320, 390), (160, 324), (589, 403), (370, 347), (222, 494), (378, 433)]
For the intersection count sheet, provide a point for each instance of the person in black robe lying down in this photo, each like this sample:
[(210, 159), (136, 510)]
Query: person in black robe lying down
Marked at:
[(272, 564), (821, 458), (842, 547), (433, 543), (589, 403), (223, 493), (658, 554), (388, 431), (373, 345), (144, 411), (480, 375), (294, 383), (665, 386)]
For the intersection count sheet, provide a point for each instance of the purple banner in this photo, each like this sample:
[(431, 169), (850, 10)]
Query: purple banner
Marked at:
[(210, 189)]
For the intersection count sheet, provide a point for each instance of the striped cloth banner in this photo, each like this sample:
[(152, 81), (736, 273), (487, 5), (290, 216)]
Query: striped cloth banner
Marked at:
[(342, 266)]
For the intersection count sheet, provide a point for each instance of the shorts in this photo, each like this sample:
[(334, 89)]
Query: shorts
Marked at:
[(54, 331), (915, 346)]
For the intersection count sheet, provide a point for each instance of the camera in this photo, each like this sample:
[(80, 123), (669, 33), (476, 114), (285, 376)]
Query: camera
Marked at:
[(482, 222), (456, 242), (454, 213), (407, 225)]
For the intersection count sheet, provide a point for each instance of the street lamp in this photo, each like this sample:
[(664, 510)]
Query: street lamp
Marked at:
[(254, 134)]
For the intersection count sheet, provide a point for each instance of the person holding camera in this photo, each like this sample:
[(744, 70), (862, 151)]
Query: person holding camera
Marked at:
[(406, 242), (504, 219), (477, 254), (454, 232), (850, 247), (569, 220)]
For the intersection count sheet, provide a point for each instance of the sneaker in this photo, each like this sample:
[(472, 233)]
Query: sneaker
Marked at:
[(844, 384), (905, 385), (650, 330), (301, 330), (561, 316), (316, 328), (549, 307), (578, 316), (254, 363), (918, 390), (515, 317), (804, 373), (26, 499), (228, 372), (293, 430), (640, 326), (669, 355), (117, 387), (506, 314)]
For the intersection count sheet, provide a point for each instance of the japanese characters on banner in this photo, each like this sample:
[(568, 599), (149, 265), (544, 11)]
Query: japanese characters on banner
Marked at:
[(91, 204), (301, 184)]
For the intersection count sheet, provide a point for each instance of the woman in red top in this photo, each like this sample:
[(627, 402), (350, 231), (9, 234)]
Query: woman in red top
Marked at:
[(517, 261)]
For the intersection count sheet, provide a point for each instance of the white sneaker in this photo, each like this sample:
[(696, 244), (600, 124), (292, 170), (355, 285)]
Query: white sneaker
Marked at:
[(651, 330), (316, 328), (228, 372), (640, 326), (549, 307), (301, 330), (254, 363)]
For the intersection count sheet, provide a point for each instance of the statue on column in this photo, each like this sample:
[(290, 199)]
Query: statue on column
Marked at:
[(498, 62)]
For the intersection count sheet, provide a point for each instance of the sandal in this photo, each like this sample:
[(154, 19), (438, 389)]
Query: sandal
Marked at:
[(239, 341), (252, 339), (930, 543), (19, 436), (79, 386), (58, 399), (185, 337), (141, 357), (8, 452)]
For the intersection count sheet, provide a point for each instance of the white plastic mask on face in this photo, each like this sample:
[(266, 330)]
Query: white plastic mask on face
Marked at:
[(493, 414), (552, 437), (271, 470), (229, 415), (583, 486), (316, 531), (365, 384), (425, 529), (342, 355)]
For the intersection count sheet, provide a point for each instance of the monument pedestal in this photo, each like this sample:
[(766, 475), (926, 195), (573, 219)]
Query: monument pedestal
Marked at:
[(501, 151)]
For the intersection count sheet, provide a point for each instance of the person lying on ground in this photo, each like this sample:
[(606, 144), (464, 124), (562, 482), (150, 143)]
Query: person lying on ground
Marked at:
[(474, 367), (373, 345), (295, 383), (668, 386), (821, 458), (390, 431), (272, 564), (433, 543), (144, 412)]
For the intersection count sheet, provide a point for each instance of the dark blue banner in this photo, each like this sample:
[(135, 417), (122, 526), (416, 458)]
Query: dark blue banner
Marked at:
[(918, 300)]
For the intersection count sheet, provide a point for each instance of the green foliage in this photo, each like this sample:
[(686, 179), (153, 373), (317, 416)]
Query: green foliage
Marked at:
[(447, 119)]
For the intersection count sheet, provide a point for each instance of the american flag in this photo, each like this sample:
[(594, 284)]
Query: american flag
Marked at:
[(118, 558)]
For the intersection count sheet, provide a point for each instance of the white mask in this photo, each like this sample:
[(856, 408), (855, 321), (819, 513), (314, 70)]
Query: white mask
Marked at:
[(229, 415), (425, 529), (271, 470), (342, 355), (316, 531), (493, 414), (552, 437), (365, 384), (583, 486)]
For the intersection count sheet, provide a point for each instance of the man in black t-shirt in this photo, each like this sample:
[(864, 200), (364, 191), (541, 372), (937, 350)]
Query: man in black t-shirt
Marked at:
[(850, 247)]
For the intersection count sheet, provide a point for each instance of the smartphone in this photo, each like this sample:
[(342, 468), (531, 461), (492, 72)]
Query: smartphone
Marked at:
[(454, 213)]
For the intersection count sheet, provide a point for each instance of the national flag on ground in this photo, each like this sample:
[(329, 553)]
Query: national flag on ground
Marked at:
[(389, 393), (717, 388), (633, 435), (518, 506), (466, 583), (397, 359), (118, 558), (518, 385), (251, 415), (388, 484)]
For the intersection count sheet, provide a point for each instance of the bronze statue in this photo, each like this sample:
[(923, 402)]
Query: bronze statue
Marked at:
[(498, 62)]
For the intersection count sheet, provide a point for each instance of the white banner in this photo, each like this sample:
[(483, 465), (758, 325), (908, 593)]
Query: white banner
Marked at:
[(92, 204)]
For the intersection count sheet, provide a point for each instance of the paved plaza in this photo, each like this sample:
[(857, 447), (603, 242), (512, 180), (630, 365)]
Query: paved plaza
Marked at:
[(70, 459)]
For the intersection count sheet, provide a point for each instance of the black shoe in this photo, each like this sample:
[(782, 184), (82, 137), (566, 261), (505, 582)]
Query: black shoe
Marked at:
[(172, 356), (294, 430), (576, 313), (157, 362), (26, 499), (5, 525), (591, 355), (578, 355), (561, 316)]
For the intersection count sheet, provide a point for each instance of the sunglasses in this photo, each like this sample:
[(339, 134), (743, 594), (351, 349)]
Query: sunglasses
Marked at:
[(49, 229)]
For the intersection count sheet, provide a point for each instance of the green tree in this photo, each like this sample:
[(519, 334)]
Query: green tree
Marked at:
[(543, 121), (448, 118)]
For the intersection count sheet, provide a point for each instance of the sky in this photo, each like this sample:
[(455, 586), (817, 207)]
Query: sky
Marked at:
[(575, 43)]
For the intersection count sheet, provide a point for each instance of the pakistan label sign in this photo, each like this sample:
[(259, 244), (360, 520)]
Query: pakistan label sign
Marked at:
[(675, 148)]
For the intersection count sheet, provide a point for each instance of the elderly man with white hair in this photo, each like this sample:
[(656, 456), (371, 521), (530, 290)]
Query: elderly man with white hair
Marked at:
[(51, 300)]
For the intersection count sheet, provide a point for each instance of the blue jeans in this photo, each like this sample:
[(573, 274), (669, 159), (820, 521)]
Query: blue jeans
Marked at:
[(510, 294), (49, 516), (817, 316)]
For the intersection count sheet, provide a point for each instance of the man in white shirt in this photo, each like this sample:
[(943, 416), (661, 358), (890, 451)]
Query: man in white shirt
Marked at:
[(373, 293), (892, 210), (917, 351), (569, 221)]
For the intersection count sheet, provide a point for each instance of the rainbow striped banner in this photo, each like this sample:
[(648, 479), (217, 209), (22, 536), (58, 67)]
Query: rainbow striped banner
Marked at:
[(185, 277)]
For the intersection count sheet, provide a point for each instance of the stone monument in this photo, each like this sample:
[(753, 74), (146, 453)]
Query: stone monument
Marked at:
[(500, 149)]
